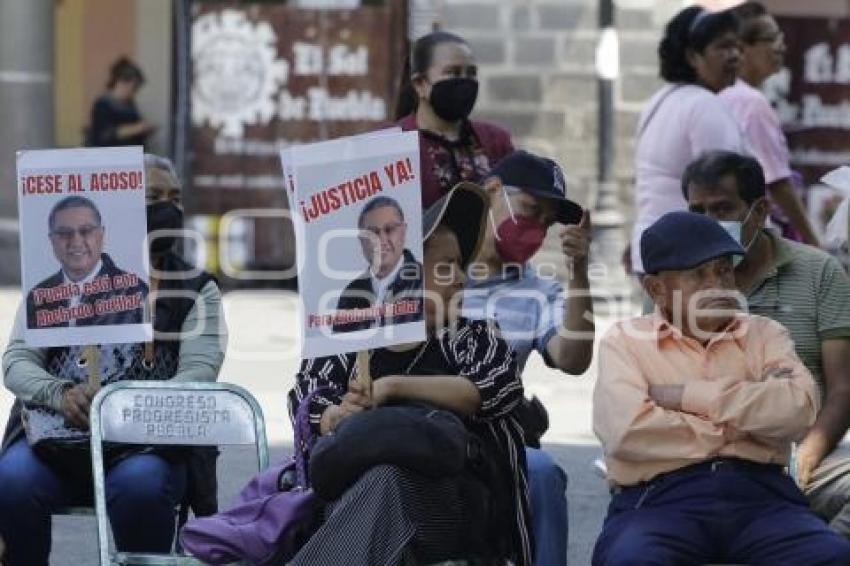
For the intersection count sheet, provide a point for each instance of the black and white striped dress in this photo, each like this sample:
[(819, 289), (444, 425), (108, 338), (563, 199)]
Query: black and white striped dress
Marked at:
[(389, 510)]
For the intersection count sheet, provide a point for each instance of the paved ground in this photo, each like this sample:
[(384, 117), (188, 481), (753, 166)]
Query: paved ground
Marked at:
[(262, 358)]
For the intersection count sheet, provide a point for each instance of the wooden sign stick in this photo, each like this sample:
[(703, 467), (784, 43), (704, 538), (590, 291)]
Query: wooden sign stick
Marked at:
[(92, 356), (149, 346), (364, 376)]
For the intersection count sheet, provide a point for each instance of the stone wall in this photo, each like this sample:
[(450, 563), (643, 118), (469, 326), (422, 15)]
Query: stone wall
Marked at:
[(538, 79)]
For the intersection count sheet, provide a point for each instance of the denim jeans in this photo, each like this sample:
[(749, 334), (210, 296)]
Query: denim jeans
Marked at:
[(547, 492), (142, 491)]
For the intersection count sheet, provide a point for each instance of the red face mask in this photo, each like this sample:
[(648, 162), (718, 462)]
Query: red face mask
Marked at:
[(519, 238)]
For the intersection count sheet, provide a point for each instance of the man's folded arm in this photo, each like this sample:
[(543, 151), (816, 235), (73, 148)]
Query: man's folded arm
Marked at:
[(632, 426), (782, 404)]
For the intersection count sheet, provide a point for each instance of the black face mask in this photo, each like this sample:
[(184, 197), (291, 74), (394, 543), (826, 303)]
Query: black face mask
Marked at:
[(453, 99), (164, 215)]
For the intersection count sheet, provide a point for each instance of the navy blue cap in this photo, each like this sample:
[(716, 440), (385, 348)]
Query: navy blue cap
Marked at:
[(540, 177), (683, 240)]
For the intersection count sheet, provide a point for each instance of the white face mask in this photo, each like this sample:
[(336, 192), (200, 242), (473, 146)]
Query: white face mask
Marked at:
[(734, 228)]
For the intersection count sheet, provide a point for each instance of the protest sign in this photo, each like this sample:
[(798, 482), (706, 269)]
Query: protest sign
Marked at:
[(286, 153), (358, 222), (83, 240)]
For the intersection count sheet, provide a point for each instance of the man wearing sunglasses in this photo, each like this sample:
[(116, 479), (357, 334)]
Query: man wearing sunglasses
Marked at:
[(76, 233), (393, 278)]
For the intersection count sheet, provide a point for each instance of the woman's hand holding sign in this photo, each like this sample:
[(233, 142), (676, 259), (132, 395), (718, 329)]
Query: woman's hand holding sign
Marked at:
[(76, 402), (355, 400), (358, 397)]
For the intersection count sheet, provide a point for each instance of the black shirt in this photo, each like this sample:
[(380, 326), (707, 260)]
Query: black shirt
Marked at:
[(107, 115), (470, 349)]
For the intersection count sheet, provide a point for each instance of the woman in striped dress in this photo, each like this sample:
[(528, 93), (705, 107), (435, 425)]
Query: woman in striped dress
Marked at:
[(392, 515)]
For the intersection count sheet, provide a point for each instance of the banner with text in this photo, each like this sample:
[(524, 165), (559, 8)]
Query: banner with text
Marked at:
[(270, 75), (87, 207), (358, 225), (810, 94)]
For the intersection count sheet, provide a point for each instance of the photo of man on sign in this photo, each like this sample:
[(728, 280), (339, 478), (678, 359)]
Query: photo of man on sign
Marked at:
[(390, 290), (84, 251), (357, 216), (89, 288)]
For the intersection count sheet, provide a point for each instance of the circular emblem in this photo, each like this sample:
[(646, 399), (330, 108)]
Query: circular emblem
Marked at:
[(236, 72)]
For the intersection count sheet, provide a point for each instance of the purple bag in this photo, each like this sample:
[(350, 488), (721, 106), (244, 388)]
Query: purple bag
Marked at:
[(265, 524)]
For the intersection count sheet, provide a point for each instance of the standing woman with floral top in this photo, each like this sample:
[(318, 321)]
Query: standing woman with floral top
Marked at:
[(438, 92)]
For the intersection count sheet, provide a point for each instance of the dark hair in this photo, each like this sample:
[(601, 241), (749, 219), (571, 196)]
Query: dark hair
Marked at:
[(709, 168), (125, 70), (376, 203), (72, 202), (418, 61), (691, 29), (747, 14)]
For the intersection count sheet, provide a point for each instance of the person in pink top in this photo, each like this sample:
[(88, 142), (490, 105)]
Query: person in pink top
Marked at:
[(699, 58), (696, 406), (763, 49)]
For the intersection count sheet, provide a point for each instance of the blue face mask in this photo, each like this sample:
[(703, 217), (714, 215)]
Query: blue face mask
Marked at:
[(734, 229)]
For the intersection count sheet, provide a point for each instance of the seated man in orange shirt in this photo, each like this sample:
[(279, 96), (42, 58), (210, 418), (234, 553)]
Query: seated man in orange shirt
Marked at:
[(696, 407)]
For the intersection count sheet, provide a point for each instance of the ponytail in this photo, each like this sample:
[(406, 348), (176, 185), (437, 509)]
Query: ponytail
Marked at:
[(407, 99)]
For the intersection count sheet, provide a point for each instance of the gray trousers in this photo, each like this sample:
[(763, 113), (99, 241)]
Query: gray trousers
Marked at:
[(829, 489)]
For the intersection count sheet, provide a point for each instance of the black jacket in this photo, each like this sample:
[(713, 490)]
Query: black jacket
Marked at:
[(359, 294), (107, 115)]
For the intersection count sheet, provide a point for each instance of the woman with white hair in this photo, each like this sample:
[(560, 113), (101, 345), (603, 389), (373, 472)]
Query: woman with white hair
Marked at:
[(143, 483)]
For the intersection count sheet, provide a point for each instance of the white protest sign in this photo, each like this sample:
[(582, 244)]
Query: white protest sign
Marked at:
[(84, 264), (286, 153), (357, 211)]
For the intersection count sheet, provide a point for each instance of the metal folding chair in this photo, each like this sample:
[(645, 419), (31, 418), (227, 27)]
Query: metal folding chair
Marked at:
[(161, 413)]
